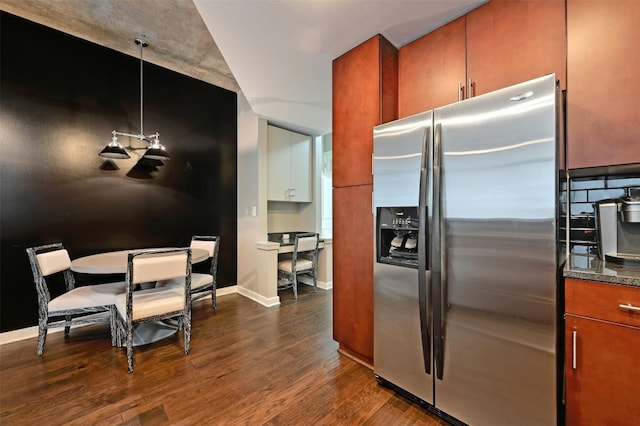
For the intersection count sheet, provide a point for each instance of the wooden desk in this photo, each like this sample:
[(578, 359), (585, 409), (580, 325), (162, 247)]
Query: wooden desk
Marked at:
[(264, 289)]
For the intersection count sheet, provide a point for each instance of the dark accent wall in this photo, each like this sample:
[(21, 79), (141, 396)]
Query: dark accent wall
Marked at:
[(60, 98)]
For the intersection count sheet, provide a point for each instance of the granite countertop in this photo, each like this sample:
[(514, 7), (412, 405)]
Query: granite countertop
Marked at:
[(590, 267)]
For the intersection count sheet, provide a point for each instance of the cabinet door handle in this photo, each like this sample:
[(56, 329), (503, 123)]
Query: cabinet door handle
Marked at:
[(629, 307), (470, 89), (460, 90), (574, 341)]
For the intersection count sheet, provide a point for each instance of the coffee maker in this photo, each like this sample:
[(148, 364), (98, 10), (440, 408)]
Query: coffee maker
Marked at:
[(618, 224)]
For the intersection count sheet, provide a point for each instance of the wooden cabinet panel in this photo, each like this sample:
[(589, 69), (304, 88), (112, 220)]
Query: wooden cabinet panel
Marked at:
[(603, 388), (602, 301), (431, 68), (513, 41), (353, 270), (364, 94), (603, 107), (602, 353)]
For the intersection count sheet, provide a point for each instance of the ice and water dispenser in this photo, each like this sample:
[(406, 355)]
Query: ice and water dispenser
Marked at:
[(397, 236)]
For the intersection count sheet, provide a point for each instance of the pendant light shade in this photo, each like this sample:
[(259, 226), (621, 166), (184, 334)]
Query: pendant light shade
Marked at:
[(114, 150), (154, 150)]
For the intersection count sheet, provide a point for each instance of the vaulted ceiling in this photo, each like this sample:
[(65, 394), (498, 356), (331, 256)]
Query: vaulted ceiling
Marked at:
[(277, 52)]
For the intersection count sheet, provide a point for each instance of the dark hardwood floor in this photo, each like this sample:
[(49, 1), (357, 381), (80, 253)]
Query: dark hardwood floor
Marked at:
[(249, 365)]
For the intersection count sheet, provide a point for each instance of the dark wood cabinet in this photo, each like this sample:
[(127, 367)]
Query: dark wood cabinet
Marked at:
[(364, 95), (603, 96), (353, 271), (602, 353), (509, 42), (432, 70), (499, 44)]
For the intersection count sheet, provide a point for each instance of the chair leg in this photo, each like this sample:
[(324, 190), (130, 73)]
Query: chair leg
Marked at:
[(295, 286), (187, 334), (315, 282), (113, 325), (130, 347), (213, 297), (67, 328), (42, 334)]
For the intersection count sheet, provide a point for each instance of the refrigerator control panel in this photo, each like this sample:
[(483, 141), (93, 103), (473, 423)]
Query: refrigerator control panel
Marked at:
[(397, 236)]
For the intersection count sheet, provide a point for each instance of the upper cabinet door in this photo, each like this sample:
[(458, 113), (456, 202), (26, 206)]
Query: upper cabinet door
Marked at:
[(289, 166), (432, 70), (278, 164), (603, 98), (509, 42), (301, 167), (364, 95)]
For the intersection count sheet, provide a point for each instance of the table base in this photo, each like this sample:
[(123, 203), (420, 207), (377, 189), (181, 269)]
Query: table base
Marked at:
[(149, 332)]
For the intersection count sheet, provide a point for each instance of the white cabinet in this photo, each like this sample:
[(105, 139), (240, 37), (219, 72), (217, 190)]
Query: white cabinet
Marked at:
[(289, 166)]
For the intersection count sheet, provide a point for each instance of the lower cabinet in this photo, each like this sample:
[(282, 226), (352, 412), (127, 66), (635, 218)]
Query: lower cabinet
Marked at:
[(602, 353), (353, 271)]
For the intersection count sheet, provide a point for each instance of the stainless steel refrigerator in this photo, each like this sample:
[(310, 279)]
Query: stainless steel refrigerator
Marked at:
[(466, 205)]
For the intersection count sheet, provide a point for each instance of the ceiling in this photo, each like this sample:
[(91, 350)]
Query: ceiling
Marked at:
[(277, 52)]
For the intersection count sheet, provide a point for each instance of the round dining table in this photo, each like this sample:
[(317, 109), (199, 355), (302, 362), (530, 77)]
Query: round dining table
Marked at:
[(115, 262)]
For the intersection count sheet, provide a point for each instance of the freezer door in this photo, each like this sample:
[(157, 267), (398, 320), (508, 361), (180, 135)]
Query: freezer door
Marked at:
[(397, 343), (402, 332), (397, 152), (495, 322)]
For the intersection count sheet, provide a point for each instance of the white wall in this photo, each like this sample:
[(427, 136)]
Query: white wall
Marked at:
[(284, 216), (252, 206), (325, 165)]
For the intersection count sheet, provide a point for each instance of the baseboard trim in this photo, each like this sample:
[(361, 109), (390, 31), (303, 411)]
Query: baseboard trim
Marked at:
[(325, 285), (264, 301), (353, 356)]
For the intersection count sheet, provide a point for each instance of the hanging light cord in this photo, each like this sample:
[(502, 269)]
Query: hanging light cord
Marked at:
[(142, 43)]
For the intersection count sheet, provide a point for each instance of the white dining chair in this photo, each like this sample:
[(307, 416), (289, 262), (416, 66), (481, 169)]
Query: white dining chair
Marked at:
[(203, 284), (304, 260), (88, 304), (159, 303)]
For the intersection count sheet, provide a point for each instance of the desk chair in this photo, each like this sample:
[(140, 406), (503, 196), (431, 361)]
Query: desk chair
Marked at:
[(304, 260), (77, 305), (135, 307)]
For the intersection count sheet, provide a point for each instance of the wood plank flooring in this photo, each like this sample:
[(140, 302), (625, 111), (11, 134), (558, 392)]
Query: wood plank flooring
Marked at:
[(249, 365)]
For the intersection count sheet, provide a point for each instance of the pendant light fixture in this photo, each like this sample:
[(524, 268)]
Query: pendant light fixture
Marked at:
[(154, 150)]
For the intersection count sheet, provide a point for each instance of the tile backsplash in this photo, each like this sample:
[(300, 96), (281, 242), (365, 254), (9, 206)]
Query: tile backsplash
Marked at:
[(583, 194)]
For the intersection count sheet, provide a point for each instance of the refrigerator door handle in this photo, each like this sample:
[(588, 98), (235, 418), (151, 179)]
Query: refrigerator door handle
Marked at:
[(424, 293), (436, 254)]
